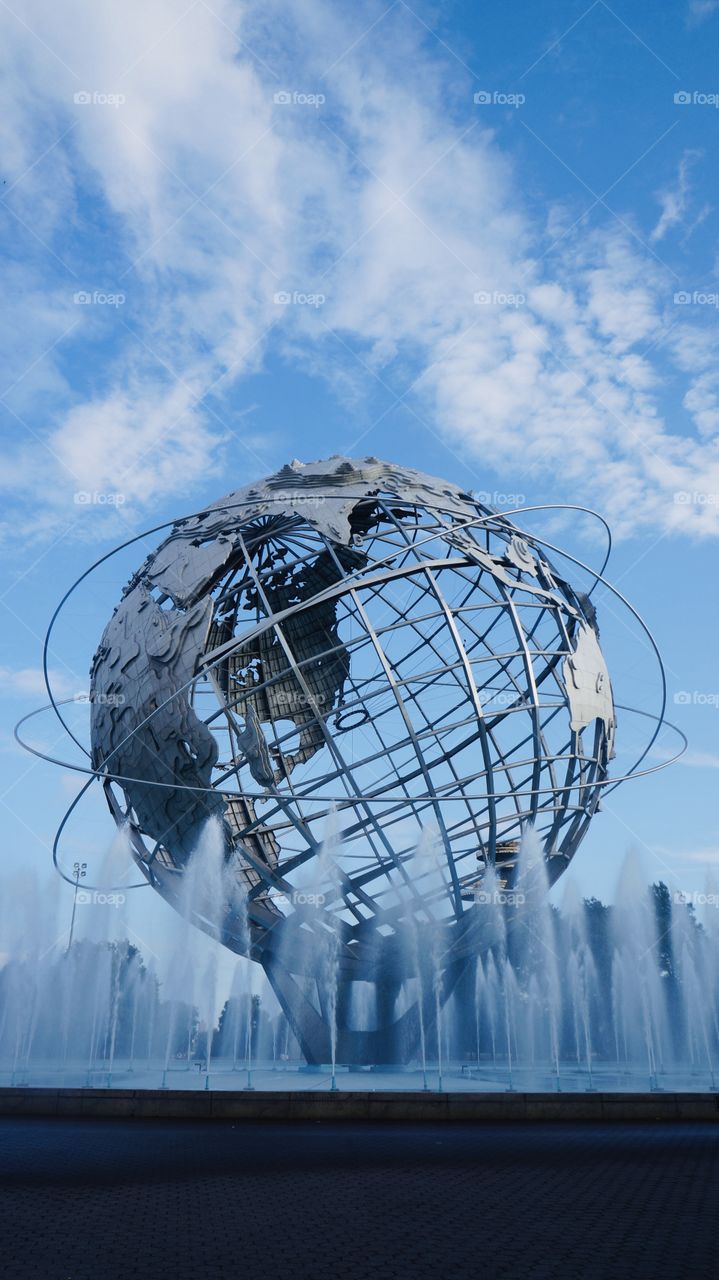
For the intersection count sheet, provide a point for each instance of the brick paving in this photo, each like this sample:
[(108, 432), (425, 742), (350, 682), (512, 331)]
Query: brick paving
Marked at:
[(94, 1200)]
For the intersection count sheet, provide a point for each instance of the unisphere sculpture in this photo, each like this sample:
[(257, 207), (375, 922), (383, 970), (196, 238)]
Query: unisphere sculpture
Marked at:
[(357, 643)]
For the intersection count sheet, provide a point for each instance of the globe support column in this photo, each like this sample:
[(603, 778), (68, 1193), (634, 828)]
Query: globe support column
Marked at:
[(393, 1043)]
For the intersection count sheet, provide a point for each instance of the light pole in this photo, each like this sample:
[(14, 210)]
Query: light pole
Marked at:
[(80, 869)]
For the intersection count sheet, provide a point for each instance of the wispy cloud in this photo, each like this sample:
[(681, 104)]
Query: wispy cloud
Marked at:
[(539, 349), (700, 760), (700, 10), (27, 682), (674, 201)]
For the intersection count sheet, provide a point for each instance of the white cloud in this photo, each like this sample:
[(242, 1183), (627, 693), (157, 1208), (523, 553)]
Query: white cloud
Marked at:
[(391, 201), (700, 760), (704, 857), (674, 201), (700, 10), (29, 682), (203, 280)]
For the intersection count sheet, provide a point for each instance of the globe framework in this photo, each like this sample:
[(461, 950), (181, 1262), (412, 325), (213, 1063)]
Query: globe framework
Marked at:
[(351, 643)]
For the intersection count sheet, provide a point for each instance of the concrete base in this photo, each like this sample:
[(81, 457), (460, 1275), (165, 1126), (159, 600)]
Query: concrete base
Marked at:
[(171, 1104)]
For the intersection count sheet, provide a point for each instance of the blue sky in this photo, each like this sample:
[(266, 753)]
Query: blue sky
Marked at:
[(497, 230)]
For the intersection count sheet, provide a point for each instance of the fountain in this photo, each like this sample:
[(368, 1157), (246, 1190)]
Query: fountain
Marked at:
[(580, 997)]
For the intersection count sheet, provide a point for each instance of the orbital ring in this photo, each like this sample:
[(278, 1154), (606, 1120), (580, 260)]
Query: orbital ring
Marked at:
[(491, 518), (338, 802)]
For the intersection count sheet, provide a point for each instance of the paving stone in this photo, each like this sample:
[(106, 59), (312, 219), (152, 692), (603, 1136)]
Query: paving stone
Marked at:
[(99, 1199)]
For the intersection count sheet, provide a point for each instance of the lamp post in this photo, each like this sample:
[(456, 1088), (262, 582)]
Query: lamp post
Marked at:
[(80, 869)]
